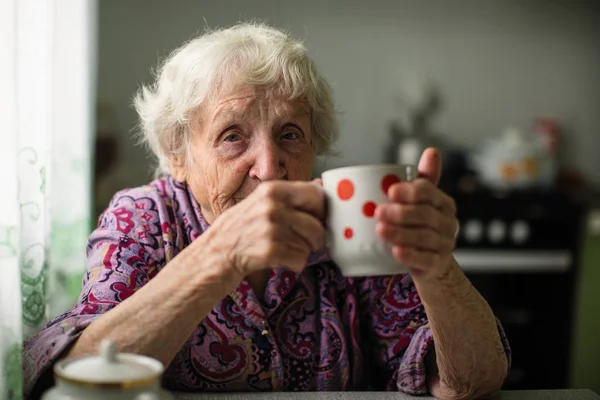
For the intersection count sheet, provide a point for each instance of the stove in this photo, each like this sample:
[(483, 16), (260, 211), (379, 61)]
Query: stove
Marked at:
[(518, 232), (521, 251)]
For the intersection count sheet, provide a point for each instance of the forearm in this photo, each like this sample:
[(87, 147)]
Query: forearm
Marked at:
[(469, 355), (159, 318)]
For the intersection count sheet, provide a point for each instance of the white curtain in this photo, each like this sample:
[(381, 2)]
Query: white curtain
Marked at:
[(47, 78)]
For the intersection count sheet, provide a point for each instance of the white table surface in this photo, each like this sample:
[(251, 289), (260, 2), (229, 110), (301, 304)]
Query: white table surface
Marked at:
[(505, 395)]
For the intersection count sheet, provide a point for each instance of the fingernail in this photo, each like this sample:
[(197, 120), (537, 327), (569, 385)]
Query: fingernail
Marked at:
[(394, 189), (317, 183)]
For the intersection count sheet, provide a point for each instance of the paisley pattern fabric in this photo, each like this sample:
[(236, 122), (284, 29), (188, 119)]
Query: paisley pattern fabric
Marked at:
[(313, 331)]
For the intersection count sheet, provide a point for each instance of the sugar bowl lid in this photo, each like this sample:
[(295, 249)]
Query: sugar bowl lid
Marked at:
[(110, 369)]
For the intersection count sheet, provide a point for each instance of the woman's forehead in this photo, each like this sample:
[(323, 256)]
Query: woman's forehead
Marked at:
[(247, 100)]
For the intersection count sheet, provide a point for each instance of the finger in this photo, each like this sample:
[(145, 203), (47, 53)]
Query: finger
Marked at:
[(282, 234), (419, 238), (306, 228), (277, 246), (302, 196), (417, 215), (294, 255), (317, 181), (304, 234), (422, 191), (430, 165), (414, 258)]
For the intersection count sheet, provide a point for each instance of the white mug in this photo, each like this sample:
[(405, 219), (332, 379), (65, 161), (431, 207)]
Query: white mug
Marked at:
[(353, 193)]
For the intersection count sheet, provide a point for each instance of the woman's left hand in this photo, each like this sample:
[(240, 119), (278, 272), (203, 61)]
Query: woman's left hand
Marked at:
[(420, 221)]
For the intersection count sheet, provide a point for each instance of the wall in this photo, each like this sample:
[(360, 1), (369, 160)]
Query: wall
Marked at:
[(498, 63)]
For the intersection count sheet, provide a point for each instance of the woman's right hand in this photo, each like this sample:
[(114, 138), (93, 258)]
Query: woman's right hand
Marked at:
[(278, 224)]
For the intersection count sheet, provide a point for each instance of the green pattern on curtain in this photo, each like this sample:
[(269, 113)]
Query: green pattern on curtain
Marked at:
[(46, 132)]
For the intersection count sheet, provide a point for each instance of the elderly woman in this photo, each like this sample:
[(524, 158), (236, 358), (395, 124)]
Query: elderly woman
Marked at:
[(217, 270)]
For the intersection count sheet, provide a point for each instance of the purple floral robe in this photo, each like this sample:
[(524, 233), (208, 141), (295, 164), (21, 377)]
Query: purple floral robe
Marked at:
[(314, 331)]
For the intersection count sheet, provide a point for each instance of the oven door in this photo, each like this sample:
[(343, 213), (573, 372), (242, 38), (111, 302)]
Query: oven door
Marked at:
[(531, 292)]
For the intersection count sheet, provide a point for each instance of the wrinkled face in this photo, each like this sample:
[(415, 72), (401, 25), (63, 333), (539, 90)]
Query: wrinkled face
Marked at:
[(242, 138)]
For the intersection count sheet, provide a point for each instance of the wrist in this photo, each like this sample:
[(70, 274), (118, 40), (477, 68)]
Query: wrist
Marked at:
[(207, 268), (447, 281)]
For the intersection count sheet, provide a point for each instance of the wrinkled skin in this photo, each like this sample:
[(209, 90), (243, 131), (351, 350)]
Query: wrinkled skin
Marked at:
[(246, 137)]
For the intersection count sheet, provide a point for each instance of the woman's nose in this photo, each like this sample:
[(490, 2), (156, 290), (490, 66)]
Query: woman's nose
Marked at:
[(268, 163)]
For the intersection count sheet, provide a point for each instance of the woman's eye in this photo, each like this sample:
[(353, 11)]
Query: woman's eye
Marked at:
[(290, 136), (233, 137)]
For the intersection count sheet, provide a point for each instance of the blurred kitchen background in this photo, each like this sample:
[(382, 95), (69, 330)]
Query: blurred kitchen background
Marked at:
[(508, 89)]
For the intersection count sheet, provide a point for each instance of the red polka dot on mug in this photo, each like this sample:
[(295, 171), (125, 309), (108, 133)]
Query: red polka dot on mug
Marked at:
[(348, 233), (345, 189), (368, 209), (388, 181)]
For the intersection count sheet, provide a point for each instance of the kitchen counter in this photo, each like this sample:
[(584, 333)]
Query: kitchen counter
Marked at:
[(505, 395)]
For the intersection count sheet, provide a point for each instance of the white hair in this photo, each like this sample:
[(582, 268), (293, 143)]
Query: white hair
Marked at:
[(248, 53)]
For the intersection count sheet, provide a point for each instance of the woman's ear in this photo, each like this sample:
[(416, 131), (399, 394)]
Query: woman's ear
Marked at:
[(178, 168)]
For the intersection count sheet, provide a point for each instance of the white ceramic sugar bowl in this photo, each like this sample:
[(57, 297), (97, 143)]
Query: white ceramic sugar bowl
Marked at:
[(109, 375)]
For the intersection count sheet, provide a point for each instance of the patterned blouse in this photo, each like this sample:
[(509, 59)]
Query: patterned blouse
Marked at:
[(315, 330)]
